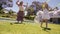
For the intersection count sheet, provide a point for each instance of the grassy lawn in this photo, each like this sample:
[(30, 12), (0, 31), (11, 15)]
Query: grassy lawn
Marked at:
[(27, 28)]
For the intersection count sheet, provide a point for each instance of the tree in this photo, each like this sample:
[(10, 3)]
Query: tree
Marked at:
[(56, 8), (36, 5), (30, 11), (4, 4), (1, 7), (11, 12)]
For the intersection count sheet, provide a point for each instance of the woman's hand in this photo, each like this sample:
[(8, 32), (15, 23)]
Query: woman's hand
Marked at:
[(27, 3), (17, 3), (17, 0)]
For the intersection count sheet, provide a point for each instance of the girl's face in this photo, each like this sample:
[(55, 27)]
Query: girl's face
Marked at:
[(45, 5)]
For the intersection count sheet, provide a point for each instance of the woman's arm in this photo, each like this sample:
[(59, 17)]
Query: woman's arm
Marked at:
[(26, 5), (17, 3)]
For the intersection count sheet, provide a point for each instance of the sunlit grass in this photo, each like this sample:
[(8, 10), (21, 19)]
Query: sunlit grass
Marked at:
[(27, 28)]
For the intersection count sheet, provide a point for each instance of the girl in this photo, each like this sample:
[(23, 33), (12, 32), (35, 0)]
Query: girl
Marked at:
[(20, 14), (45, 15)]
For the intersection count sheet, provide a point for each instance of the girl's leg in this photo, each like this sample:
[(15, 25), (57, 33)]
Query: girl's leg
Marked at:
[(46, 23), (41, 23)]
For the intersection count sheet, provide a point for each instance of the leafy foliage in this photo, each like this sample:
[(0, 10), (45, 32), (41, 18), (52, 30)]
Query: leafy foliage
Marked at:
[(11, 12), (1, 7)]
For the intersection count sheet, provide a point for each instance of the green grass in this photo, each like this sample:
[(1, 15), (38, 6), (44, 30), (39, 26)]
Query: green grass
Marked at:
[(27, 28)]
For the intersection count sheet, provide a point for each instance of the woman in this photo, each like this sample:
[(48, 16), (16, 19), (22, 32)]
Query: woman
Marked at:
[(20, 14), (45, 15)]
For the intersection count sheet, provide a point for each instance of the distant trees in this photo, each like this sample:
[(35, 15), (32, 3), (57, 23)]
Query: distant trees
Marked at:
[(32, 9), (11, 12), (2, 11), (36, 6), (56, 8), (1, 7), (4, 4)]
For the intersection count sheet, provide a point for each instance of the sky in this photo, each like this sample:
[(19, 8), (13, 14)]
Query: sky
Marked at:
[(51, 3)]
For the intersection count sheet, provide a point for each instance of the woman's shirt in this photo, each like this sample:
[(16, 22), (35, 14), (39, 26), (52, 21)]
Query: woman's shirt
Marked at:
[(21, 8)]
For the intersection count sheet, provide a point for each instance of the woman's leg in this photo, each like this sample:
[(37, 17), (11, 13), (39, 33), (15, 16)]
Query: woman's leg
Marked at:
[(22, 19), (21, 16), (18, 17), (18, 22)]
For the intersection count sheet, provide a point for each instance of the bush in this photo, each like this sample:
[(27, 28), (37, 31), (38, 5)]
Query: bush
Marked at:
[(29, 17), (6, 16)]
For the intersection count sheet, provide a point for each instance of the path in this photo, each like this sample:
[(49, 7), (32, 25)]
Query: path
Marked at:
[(11, 20)]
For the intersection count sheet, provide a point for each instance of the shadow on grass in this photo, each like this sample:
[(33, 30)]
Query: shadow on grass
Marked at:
[(16, 23), (7, 19), (27, 21), (45, 29)]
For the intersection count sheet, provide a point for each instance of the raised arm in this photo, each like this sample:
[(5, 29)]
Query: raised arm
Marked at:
[(26, 5), (17, 3)]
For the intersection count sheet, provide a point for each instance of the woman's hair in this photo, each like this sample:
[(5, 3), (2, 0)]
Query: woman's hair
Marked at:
[(21, 2)]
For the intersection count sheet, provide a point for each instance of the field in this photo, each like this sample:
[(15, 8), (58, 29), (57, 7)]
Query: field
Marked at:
[(27, 28)]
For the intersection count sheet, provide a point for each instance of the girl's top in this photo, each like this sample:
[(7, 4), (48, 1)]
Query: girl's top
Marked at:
[(45, 14)]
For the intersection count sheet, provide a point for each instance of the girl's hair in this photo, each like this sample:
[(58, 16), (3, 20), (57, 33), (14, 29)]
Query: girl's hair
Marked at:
[(45, 5)]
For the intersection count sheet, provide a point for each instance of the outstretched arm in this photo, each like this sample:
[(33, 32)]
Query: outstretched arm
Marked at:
[(26, 5)]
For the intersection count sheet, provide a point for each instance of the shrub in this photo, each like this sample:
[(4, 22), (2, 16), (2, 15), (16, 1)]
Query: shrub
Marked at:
[(5, 16), (29, 17)]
